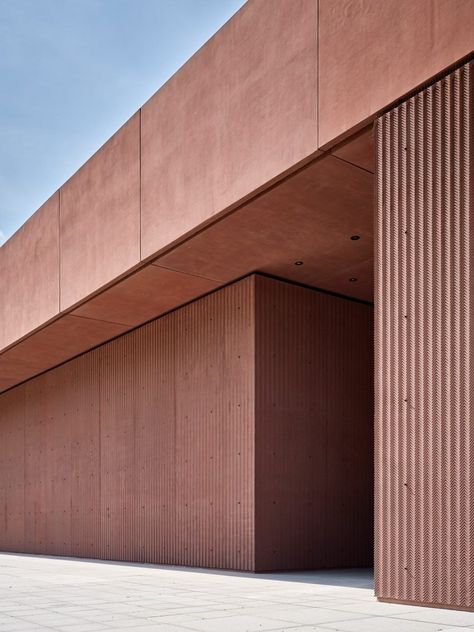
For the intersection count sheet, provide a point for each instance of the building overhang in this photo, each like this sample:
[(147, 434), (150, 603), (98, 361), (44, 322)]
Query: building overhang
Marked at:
[(256, 156)]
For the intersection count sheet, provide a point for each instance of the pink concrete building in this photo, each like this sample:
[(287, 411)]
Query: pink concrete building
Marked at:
[(186, 326)]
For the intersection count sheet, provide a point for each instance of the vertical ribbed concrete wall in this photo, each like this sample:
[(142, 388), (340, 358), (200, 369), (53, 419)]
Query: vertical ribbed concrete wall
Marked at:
[(142, 449), (424, 437), (313, 429), (235, 432)]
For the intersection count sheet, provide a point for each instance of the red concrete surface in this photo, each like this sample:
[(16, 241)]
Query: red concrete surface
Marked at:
[(143, 449), (48, 347), (100, 217), (47, 466), (144, 295), (424, 477), (372, 53), (309, 217), (12, 464), (238, 117), (359, 149), (326, 202), (147, 293), (313, 429), (239, 113), (29, 276)]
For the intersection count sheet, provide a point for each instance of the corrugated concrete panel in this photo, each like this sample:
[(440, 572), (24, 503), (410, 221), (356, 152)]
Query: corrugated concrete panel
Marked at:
[(424, 298), (47, 465), (215, 429), (118, 468), (81, 413), (12, 472), (29, 274), (141, 449), (37, 413), (155, 442), (372, 53), (57, 462), (313, 429), (238, 114)]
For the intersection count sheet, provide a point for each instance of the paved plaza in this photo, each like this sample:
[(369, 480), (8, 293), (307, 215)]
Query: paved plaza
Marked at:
[(68, 595)]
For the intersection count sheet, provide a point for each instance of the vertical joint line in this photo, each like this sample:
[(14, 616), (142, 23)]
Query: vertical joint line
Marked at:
[(140, 180), (59, 250), (318, 18)]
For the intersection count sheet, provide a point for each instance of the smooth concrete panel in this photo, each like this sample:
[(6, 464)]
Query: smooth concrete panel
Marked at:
[(29, 274), (63, 339), (100, 216), (358, 150), (373, 52), (145, 295), (239, 113), (309, 218)]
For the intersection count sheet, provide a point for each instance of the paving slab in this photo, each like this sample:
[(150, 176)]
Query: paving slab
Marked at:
[(72, 595)]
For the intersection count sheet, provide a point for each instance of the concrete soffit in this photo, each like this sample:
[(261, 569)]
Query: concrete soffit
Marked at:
[(275, 175)]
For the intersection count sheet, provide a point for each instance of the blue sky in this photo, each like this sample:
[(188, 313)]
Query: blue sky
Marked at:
[(72, 71)]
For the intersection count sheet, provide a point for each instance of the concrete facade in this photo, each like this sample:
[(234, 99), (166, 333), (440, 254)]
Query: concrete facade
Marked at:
[(258, 156), (167, 445)]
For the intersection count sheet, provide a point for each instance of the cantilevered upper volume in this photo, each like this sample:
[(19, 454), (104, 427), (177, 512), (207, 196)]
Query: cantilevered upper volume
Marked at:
[(247, 159)]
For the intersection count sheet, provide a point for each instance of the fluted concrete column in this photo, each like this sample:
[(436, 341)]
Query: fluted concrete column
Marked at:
[(424, 480)]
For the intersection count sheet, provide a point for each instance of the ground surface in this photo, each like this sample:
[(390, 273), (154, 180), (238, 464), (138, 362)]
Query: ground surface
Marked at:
[(40, 593)]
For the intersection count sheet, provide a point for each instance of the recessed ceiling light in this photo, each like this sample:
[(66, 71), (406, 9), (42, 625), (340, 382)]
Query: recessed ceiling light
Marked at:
[(298, 263), (353, 279), (355, 237)]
